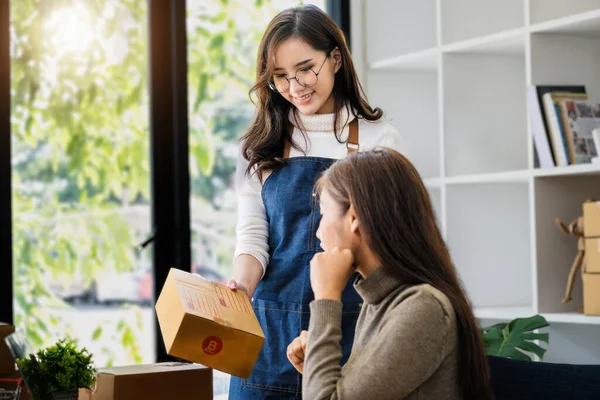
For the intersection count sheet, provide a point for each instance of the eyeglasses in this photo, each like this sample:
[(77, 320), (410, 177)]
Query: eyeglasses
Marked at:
[(306, 77)]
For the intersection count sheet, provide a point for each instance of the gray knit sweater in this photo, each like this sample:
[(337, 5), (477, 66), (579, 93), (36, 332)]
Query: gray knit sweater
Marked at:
[(404, 348)]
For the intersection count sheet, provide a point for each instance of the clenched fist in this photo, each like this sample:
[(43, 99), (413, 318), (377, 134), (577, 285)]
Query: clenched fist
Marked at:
[(296, 350), (329, 273)]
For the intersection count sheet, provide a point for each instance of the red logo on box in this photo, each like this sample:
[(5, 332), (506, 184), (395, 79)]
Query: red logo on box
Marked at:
[(212, 345)]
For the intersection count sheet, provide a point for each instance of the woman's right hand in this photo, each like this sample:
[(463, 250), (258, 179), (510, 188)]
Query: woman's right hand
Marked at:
[(247, 272), (236, 285)]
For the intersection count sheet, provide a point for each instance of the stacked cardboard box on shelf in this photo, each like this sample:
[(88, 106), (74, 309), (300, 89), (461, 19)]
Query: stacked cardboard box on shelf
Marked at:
[(591, 271)]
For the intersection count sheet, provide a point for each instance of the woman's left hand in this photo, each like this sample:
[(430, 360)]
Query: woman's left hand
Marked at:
[(296, 351), (329, 273)]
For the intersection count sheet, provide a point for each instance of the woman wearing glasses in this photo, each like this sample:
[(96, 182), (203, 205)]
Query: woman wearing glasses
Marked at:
[(310, 112)]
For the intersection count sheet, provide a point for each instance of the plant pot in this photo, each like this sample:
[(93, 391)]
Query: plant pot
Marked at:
[(71, 395)]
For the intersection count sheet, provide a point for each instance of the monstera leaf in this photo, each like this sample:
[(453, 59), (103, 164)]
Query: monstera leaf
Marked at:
[(516, 339)]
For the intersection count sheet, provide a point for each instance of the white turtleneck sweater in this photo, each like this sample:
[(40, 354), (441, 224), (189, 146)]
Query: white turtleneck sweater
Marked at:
[(252, 227)]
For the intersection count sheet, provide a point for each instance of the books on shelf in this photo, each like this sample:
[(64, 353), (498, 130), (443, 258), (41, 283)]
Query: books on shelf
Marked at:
[(562, 121), (546, 155), (561, 147), (579, 120)]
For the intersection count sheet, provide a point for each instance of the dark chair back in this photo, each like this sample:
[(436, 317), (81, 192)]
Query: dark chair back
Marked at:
[(529, 380)]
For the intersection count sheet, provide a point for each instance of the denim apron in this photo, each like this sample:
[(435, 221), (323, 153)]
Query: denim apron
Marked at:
[(282, 298)]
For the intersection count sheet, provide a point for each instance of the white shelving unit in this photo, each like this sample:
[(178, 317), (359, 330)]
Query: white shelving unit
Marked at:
[(452, 76)]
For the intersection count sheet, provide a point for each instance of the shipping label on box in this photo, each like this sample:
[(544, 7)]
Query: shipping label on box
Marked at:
[(591, 219), (172, 381), (208, 323)]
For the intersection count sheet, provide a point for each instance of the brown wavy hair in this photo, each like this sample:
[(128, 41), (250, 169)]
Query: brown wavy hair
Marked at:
[(399, 225), (263, 143)]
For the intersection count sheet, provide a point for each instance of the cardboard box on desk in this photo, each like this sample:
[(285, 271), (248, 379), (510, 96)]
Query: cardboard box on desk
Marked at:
[(591, 272), (208, 323), (7, 362), (172, 381)]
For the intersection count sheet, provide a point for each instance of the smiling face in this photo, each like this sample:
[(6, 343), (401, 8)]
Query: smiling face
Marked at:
[(294, 57)]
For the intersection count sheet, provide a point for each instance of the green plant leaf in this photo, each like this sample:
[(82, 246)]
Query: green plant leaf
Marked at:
[(34, 337), (516, 339), (23, 304), (97, 333), (528, 324), (537, 336), (516, 355), (202, 91)]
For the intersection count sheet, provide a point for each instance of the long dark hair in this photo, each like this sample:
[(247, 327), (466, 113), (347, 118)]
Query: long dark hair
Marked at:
[(398, 223), (264, 142)]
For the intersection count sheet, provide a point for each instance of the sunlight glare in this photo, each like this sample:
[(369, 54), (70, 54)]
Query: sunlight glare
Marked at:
[(70, 29)]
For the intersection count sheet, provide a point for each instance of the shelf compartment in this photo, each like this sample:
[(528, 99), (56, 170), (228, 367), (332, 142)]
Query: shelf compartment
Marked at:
[(410, 103), (560, 59), (483, 221), (562, 197), (485, 120), (399, 27)]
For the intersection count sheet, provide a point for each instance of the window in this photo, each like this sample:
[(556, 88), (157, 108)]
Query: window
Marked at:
[(81, 175), (88, 159)]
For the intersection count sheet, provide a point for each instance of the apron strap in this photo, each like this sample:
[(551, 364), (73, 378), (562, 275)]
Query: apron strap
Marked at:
[(352, 144)]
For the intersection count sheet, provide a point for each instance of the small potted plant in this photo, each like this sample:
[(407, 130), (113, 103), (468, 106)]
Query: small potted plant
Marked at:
[(58, 372)]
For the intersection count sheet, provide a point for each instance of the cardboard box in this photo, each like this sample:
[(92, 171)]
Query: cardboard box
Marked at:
[(592, 255), (7, 362), (172, 381), (591, 273), (591, 294), (591, 219), (591, 231), (208, 323)]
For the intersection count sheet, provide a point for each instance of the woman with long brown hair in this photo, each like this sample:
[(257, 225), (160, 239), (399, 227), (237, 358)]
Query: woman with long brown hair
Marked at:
[(416, 337), (310, 111)]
